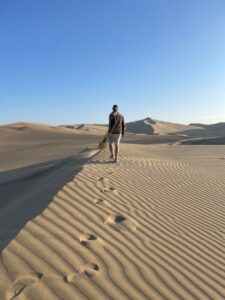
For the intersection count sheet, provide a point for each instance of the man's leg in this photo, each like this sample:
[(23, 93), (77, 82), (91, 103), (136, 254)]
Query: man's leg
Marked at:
[(116, 150), (111, 149), (117, 147)]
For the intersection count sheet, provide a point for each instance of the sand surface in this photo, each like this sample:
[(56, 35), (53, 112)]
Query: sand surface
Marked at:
[(150, 227), (27, 144), (204, 141)]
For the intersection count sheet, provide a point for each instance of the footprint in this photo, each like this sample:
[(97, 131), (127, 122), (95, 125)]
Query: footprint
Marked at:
[(21, 283), (111, 173), (73, 277), (102, 179), (88, 271), (110, 190), (103, 202), (102, 183), (119, 222), (89, 240), (132, 209)]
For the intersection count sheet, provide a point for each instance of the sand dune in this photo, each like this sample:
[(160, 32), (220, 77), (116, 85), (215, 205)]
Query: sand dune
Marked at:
[(26, 144), (146, 126), (88, 128), (151, 227), (205, 141), (23, 131), (212, 130), (141, 126), (150, 126)]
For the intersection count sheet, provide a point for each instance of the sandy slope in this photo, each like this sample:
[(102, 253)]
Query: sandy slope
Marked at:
[(151, 227), (25, 144), (87, 128), (205, 141)]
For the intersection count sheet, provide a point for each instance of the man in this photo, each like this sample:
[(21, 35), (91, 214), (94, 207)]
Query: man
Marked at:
[(116, 129)]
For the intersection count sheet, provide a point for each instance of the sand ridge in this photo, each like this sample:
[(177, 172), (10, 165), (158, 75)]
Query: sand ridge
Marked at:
[(151, 227)]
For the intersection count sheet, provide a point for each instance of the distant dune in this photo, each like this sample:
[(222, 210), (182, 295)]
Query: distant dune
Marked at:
[(32, 132), (146, 126), (88, 128), (204, 141), (211, 130), (24, 144), (22, 130), (149, 126), (141, 131)]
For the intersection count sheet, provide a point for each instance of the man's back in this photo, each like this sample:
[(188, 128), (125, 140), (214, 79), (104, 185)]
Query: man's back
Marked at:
[(116, 123)]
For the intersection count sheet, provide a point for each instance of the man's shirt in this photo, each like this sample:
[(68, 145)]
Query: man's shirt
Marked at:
[(117, 119)]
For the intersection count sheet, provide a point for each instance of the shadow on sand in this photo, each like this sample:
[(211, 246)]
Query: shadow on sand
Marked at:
[(26, 192)]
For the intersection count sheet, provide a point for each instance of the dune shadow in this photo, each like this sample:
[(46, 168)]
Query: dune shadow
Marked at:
[(26, 192)]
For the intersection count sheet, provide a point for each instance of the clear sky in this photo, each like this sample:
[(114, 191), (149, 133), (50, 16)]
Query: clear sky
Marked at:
[(69, 61)]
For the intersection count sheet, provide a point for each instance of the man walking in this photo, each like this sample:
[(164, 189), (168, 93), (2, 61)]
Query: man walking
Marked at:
[(116, 129)]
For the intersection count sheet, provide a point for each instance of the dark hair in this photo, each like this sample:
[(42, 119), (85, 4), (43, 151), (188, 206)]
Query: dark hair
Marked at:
[(115, 106)]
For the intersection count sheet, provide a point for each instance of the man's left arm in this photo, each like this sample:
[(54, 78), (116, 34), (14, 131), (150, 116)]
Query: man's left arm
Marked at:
[(123, 127)]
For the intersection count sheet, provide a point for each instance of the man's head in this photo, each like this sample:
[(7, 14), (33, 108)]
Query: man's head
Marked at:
[(115, 107)]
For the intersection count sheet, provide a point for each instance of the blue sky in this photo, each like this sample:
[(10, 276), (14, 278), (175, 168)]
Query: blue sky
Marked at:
[(69, 61)]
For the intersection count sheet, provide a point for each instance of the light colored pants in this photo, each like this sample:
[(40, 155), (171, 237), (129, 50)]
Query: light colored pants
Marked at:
[(115, 138)]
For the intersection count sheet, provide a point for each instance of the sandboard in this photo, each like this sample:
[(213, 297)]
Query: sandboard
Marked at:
[(102, 145)]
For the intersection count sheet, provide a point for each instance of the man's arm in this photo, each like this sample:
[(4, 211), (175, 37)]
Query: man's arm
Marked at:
[(123, 127), (111, 122)]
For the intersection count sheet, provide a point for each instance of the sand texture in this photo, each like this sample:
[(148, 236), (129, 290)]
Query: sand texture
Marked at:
[(150, 227)]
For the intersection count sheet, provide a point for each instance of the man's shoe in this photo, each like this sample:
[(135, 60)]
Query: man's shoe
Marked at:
[(111, 156), (115, 161)]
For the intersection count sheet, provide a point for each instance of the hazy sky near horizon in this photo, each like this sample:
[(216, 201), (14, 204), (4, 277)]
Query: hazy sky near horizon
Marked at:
[(69, 61)]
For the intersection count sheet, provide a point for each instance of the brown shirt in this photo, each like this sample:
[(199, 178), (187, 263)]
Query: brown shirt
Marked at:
[(117, 119)]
